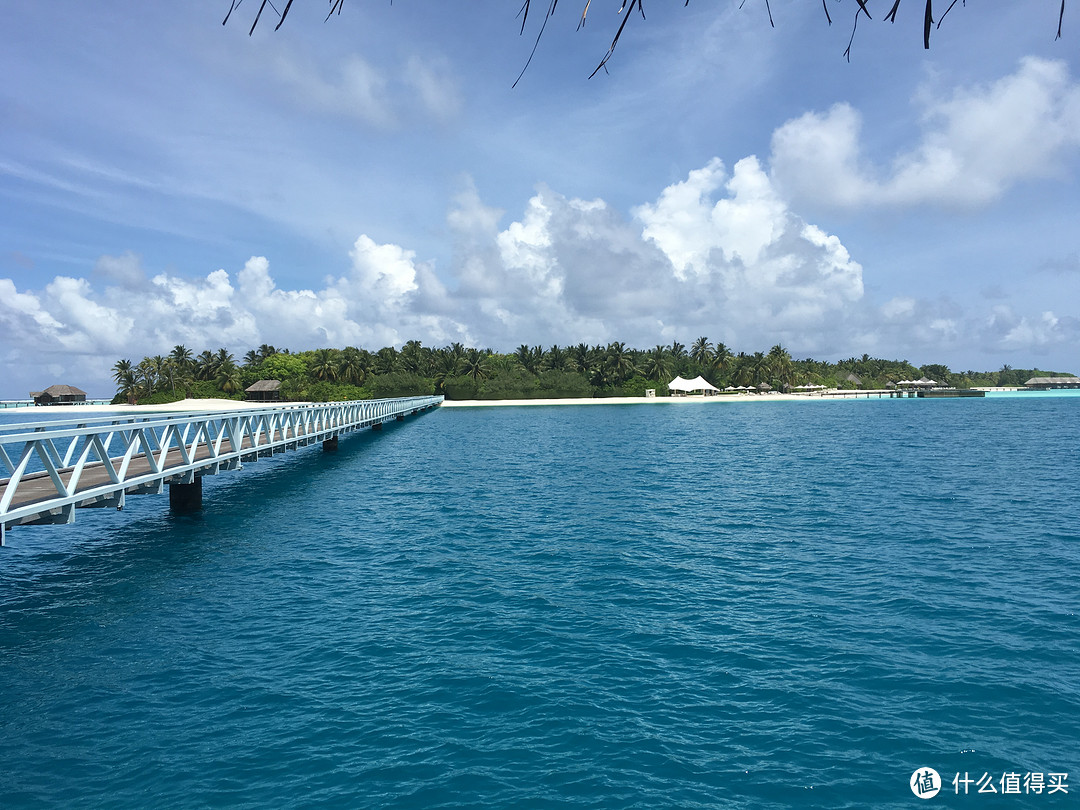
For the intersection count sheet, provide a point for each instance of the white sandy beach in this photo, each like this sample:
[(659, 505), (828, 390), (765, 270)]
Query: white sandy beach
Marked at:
[(206, 405), (497, 403)]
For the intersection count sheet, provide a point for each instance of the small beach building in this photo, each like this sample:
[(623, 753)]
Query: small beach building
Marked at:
[(58, 395), (264, 391)]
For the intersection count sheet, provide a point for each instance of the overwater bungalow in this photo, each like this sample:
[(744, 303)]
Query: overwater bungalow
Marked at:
[(1047, 383), (58, 395)]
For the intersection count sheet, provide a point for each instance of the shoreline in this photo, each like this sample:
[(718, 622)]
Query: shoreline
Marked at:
[(209, 405), (504, 403)]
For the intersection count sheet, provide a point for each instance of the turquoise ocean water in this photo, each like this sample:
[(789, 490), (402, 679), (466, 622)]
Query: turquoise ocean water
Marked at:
[(695, 605)]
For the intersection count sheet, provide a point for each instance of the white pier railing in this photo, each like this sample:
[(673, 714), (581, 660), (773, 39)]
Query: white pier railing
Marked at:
[(54, 468)]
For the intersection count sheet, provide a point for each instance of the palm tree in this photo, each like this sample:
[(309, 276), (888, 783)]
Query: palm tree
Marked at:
[(557, 359), (228, 377), (720, 358), (619, 362), (701, 352), (387, 360), (744, 370), (530, 358), (579, 357), (120, 368), (761, 367), (475, 364), (780, 364), (127, 382), (252, 359), (205, 365), (457, 351), (658, 364), (146, 375), (266, 351), (162, 369), (324, 365), (443, 367), (350, 366), (181, 357), (412, 357)]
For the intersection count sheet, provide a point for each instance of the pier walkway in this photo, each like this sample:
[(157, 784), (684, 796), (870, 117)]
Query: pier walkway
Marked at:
[(54, 468)]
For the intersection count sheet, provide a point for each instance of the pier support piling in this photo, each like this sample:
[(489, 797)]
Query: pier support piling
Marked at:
[(330, 444), (186, 497)]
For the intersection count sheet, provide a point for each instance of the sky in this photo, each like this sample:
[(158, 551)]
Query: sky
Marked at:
[(378, 177)]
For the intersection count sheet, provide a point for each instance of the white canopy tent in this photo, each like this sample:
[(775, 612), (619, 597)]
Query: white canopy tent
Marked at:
[(699, 383)]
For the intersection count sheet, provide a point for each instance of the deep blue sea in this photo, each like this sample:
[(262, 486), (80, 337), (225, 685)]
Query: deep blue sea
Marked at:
[(683, 606)]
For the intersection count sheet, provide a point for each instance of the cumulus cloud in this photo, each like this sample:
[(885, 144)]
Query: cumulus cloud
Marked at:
[(719, 253), (1013, 332), (975, 145)]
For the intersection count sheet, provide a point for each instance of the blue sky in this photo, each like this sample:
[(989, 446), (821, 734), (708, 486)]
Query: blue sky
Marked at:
[(376, 178)]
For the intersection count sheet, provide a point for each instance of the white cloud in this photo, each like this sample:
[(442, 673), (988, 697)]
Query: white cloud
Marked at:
[(435, 87), (974, 146), (23, 313), (354, 88), (1018, 333), (715, 254), (386, 271)]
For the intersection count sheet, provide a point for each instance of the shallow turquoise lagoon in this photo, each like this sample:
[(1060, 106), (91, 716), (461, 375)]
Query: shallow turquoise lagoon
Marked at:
[(738, 605)]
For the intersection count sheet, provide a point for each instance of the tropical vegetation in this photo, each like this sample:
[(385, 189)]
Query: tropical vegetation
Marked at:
[(460, 372)]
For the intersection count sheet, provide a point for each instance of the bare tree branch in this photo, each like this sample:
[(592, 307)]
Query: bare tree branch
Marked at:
[(627, 8), (614, 42), (524, 16)]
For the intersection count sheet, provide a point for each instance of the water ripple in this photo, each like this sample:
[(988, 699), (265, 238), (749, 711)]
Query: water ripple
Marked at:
[(737, 606)]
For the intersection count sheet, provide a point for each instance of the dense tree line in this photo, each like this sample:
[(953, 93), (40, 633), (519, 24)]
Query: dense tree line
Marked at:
[(460, 372)]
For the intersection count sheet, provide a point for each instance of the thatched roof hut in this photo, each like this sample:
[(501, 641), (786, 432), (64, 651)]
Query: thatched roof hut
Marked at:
[(58, 395), (1053, 382), (264, 391)]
